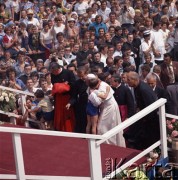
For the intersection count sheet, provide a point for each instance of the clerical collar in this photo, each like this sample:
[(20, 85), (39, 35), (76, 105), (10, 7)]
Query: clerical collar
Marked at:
[(118, 86), (154, 88)]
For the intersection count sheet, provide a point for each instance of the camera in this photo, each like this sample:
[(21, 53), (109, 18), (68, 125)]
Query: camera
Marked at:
[(125, 8)]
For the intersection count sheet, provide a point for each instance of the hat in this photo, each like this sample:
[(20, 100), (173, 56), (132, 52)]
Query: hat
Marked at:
[(137, 11), (74, 13), (91, 76), (60, 62), (30, 11), (39, 60), (71, 19), (146, 32)]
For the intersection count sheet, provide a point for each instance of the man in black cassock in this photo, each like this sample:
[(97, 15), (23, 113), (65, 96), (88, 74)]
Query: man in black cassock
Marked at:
[(146, 131), (78, 100), (63, 117)]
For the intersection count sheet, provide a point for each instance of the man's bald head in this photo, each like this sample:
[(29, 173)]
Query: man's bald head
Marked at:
[(151, 80), (133, 79)]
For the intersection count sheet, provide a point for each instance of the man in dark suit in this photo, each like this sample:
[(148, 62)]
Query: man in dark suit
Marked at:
[(151, 80), (146, 131), (123, 97), (97, 61), (173, 93), (157, 72), (84, 54), (169, 69)]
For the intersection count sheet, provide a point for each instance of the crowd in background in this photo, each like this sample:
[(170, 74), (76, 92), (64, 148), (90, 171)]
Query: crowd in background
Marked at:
[(127, 44)]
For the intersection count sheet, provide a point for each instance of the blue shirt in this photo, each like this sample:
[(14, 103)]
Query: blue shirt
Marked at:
[(20, 83), (97, 27)]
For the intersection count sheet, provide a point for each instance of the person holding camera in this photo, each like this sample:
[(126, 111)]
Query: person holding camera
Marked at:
[(53, 58), (127, 16)]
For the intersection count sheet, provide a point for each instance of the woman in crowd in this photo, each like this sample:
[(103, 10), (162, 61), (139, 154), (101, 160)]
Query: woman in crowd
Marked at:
[(9, 40), (58, 27), (46, 39), (12, 81)]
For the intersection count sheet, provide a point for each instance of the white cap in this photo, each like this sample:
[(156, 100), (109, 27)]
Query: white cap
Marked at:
[(30, 11), (71, 19), (146, 33), (91, 76), (60, 62)]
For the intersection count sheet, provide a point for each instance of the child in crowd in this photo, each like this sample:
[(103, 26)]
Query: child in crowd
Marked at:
[(94, 100), (46, 108)]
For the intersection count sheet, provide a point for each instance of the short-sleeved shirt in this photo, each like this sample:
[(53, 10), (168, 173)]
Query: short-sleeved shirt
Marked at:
[(45, 104), (80, 8)]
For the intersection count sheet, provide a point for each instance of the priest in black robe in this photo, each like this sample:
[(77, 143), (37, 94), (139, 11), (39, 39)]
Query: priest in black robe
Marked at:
[(63, 117), (79, 99)]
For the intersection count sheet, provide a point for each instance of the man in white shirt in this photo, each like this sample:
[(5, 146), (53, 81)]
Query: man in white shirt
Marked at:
[(30, 86), (118, 51), (104, 11), (81, 7), (127, 16), (103, 51), (68, 55), (31, 19), (158, 43), (112, 20)]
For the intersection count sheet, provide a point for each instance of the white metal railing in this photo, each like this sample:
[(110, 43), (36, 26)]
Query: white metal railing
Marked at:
[(172, 116), (163, 141), (94, 145), (23, 95)]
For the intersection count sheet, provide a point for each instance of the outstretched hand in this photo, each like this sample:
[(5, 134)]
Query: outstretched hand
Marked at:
[(68, 106)]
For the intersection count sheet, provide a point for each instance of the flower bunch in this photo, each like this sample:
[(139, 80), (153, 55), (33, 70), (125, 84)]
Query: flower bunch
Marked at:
[(172, 129), (7, 101)]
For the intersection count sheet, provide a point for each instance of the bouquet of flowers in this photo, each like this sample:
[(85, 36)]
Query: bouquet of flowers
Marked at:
[(172, 129), (7, 101)]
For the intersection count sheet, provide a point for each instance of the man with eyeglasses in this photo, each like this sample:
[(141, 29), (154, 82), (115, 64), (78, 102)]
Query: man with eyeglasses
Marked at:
[(26, 74)]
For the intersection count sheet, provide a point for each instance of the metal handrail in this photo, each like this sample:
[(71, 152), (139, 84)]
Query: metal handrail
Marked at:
[(48, 133), (132, 120)]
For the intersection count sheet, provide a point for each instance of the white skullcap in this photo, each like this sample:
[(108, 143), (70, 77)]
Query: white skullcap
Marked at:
[(91, 76)]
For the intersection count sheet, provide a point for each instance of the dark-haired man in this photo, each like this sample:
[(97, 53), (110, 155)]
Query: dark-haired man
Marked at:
[(169, 69), (63, 118), (123, 97)]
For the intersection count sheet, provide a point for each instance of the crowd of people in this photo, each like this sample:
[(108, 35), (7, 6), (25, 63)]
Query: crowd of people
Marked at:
[(91, 64)]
